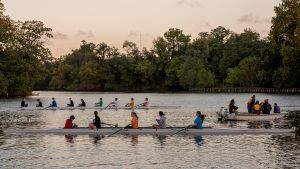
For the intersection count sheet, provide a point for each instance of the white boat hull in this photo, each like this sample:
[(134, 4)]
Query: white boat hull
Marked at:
[(151, 131)]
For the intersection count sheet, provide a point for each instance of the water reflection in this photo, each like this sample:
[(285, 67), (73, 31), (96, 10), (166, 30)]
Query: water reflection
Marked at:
[(260, 124), (162, 139), (134, 140), (70, 138), (199, 140)]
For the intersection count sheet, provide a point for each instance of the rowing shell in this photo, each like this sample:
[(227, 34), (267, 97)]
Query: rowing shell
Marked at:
[(100, 108), (151, 131)]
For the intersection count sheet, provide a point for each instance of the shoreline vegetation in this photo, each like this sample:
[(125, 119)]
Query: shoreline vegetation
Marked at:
[(219, 61)]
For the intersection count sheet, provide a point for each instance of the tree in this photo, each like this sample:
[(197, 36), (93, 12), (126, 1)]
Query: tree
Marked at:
[(285, 39)]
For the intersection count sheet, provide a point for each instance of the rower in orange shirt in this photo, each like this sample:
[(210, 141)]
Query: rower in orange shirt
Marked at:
[(134, 121)]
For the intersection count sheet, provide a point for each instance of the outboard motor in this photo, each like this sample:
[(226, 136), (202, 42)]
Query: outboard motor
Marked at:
[(222, 114)]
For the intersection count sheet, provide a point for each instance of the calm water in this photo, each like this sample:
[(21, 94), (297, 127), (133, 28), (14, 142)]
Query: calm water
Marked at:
[(53, 151)]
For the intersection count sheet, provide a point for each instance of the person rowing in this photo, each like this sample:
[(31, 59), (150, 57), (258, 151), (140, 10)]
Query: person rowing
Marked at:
[(100, 103), (69, 123), (53, 104), (113, 103), (145, 103), (198, 121), (96, 124), (232, 107), (130, 104), (82, 104), (39, 103), (134, 121), (161, 121), (71, 104), (23, 104)]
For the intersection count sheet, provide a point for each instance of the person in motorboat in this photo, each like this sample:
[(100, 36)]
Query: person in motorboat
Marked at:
[(82, 104), (276, 108), (266, 107), (134, 121), (113, 103), (53, 104), (131, 103), (71, 104), (250, 104), (145, 103), (161, 121), (23, 104), (96, 124), (257, 107), (100, 103), (69, 123), (198, 121), (232, 107), (39, 103)]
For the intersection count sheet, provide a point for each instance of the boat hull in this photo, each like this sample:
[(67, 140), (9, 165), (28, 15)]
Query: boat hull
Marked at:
[(99, 108), (254, 117), (151, 131)]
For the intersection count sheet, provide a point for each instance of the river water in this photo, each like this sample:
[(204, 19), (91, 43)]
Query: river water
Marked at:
[(226, 151)]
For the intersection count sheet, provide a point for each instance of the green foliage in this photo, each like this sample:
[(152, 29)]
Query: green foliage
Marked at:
[(175, 62)]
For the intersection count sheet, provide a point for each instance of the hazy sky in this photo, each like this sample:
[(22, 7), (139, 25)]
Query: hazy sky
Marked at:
[(113, 21)]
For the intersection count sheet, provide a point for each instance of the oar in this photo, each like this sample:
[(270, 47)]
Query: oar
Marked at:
[(115, 125), (117, 131), (180, 130)]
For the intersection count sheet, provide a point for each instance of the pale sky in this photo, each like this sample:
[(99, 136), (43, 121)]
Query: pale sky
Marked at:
[(113, 21)]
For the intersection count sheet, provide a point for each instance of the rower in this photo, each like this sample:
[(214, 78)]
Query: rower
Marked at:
[(161, 121), (82, 104), (100, 103), (276, 108), (134, 121), (71, 104), (39, 104), (69, 123), (198, 121), (131, 104), (232, 107), (53, 104), (23, 104), (113, 103), (96, 123), (145, 104)]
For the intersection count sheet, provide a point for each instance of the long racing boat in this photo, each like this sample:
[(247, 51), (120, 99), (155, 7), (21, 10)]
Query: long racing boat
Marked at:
[(99, 108), (150, 131)]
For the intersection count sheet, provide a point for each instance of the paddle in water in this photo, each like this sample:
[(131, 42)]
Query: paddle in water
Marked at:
[(118, 131), (181, 130)]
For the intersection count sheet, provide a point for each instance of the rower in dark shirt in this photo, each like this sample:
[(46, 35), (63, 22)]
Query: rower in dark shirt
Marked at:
[(39, 104), (96, 123), (23, 104), (82, 104), (71, 104)]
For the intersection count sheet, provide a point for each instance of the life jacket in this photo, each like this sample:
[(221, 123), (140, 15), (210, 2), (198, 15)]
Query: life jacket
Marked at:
[(256, 107)]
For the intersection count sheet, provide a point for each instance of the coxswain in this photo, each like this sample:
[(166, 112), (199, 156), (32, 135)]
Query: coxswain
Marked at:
[(39, 103), (71, 104), (161, 121), (69, 123), (100, 103), (82, 104), (96, 124), (198, 121), (53, 104)]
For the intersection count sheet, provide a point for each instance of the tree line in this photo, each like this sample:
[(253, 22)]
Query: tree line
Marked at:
[(175, 62)]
